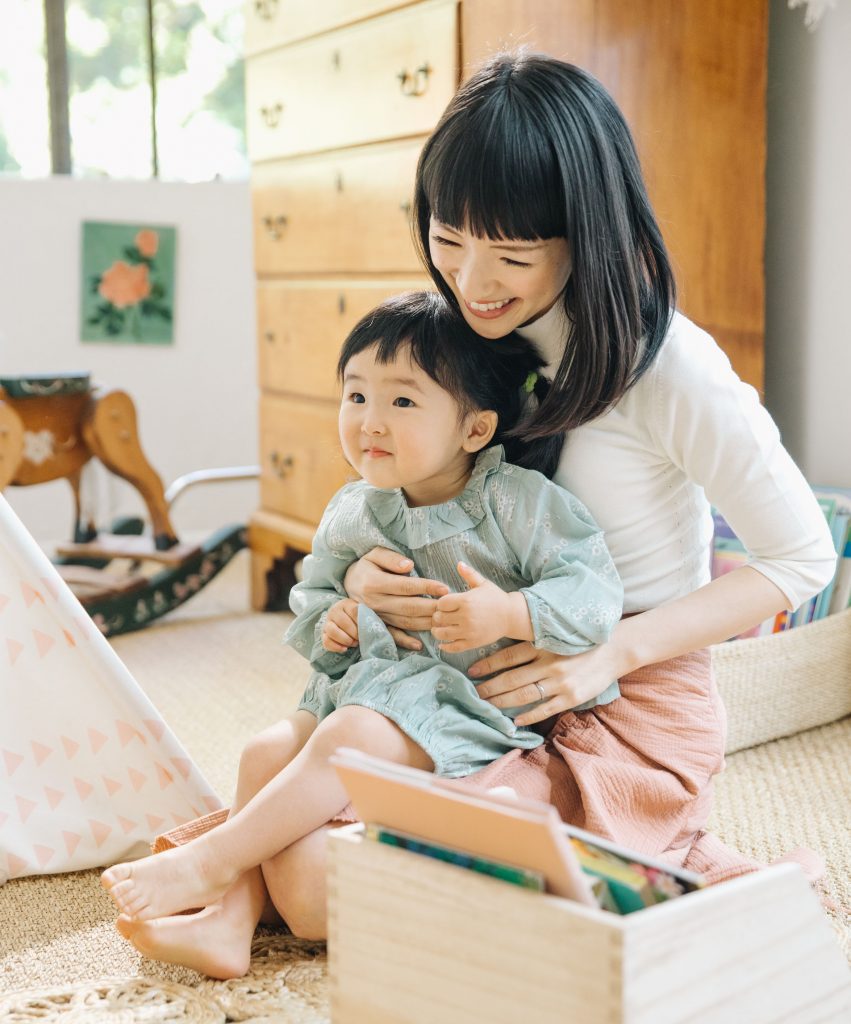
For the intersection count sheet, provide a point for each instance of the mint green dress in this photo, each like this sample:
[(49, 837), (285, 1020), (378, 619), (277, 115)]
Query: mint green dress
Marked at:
[(515, 527)]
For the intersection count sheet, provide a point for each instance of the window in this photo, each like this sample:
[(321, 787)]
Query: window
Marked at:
[(195, 80), (24, 128)]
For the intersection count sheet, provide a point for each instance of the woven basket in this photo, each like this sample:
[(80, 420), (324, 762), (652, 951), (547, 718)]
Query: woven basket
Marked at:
[(779, 685)]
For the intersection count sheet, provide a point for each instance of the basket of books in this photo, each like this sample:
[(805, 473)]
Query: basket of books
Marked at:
[(457, 906)]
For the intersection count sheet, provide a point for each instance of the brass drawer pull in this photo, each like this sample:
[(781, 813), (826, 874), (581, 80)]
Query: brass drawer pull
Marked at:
[(266, 9), (269, 337), (281, 465), (272, 115), (414, 83), (275, 225)]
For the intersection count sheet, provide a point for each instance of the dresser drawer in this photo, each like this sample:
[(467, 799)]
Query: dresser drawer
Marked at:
[(345, 213), (301, 464), (271, 23), (386, 78), (301, 327)]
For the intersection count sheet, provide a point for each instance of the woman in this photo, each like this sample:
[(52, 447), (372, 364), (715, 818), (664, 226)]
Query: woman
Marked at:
[(532, 215)]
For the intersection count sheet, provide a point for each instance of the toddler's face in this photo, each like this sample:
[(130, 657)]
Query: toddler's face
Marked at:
[(399, 428), (499, 284)]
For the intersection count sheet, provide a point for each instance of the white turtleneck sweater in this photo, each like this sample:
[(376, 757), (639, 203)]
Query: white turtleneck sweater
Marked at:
[(690, 433)]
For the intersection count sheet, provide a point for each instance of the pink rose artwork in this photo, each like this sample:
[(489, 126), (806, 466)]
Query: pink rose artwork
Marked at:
[(123, 285), (128, 282)]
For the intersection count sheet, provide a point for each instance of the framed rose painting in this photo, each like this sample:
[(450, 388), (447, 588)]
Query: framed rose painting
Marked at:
[(128, 283)]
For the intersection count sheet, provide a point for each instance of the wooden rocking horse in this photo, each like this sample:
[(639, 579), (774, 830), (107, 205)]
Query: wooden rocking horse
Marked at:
[(50, 427)]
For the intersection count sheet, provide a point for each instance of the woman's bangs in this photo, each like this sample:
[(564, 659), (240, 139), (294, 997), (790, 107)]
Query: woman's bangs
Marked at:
[(496, 183)]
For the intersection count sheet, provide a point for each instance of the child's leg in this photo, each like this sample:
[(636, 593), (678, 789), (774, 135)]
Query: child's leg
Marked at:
[(301, 798), (268, 753), (217, 940)]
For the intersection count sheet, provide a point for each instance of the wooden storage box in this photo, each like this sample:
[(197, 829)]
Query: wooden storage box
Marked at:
[(416, 941)]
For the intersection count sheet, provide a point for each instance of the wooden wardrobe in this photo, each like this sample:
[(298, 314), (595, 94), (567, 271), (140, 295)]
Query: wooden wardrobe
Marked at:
[(341, 95)]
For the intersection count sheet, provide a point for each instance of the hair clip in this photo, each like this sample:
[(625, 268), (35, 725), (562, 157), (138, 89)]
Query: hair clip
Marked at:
[(530, 382)]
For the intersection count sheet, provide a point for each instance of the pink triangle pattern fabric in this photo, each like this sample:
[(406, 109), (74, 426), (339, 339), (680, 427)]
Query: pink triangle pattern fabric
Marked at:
[(89, 771)]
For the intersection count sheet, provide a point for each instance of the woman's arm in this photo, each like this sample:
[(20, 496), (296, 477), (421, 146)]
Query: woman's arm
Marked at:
[(380, 580), (721, 609)]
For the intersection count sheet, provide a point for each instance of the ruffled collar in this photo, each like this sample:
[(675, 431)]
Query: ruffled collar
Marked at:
[(416, 527)]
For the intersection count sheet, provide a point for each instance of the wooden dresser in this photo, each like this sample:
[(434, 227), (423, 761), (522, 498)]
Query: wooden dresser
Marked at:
[(341, 95)]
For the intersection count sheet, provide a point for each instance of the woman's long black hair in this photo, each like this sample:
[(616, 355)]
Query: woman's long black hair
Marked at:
[(499, 375), (533, 148)]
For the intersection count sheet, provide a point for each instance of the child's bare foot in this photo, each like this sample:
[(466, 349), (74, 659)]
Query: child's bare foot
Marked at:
[(168, 882), (210, 942)]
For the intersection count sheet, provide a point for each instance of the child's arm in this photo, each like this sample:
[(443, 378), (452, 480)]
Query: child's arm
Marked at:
[(481, 615), (575, 596), (316, 597), (574, 599)]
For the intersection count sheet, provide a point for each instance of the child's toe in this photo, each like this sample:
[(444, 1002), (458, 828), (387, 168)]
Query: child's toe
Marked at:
[(117, 873)]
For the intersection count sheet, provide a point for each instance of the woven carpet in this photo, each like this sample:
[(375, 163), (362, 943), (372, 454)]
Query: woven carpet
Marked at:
[(219, 673)]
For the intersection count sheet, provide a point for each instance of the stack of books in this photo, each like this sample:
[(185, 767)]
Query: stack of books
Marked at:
[(729, 553)]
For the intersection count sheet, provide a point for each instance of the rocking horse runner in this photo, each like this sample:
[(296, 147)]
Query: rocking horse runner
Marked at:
[(50, 428)]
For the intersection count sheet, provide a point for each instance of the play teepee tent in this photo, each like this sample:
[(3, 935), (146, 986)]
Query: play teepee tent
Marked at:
[(89, 771)]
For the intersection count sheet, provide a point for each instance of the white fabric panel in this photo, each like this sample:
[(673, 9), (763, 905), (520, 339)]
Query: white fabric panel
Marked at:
[(89, 771)]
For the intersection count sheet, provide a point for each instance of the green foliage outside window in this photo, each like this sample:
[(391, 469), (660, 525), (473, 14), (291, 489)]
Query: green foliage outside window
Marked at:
[(200, 121)]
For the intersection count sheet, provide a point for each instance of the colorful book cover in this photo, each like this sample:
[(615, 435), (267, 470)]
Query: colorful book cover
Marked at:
[(840, 597), (526, 878)]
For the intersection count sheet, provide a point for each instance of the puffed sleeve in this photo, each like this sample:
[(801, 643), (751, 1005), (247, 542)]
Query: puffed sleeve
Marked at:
[(321, 586), (575, 597), (713, 426)]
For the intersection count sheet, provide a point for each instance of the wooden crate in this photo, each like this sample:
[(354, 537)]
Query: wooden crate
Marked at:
[(416, 941)]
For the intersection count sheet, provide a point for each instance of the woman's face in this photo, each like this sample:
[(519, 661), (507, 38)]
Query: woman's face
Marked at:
[(499, 284)]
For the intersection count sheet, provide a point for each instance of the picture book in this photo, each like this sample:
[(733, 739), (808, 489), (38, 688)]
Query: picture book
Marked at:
[(840, 589), (520, 832), (634, 880), (526, 878)]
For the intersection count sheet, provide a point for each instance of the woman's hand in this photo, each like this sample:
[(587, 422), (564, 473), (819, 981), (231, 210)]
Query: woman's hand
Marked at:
[(380, 580), (566, 680)]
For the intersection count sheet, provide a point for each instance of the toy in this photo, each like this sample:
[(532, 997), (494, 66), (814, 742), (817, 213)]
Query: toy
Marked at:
[(50, 427)]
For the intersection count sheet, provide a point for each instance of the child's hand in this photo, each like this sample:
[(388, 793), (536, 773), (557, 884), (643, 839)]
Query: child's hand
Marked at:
[(340, 631), (479, 616)]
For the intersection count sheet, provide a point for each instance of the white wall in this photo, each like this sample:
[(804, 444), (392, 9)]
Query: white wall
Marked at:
[(808, 243), (196, 399)]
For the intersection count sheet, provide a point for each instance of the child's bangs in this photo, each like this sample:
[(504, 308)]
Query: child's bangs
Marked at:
[(497, 181)]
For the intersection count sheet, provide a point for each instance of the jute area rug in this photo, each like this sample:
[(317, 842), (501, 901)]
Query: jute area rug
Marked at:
[(218, 673)]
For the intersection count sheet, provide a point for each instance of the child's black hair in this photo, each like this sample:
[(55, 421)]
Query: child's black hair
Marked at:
[(533, 148), (500, 375)]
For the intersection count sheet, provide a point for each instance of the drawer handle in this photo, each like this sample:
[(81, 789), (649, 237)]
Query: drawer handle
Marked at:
[(269, 336), (275, 225), (281, 464), (272, 115), (414, 83), (266, 9)]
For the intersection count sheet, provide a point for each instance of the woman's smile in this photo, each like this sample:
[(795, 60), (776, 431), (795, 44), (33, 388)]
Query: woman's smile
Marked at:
[(490, 310)]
